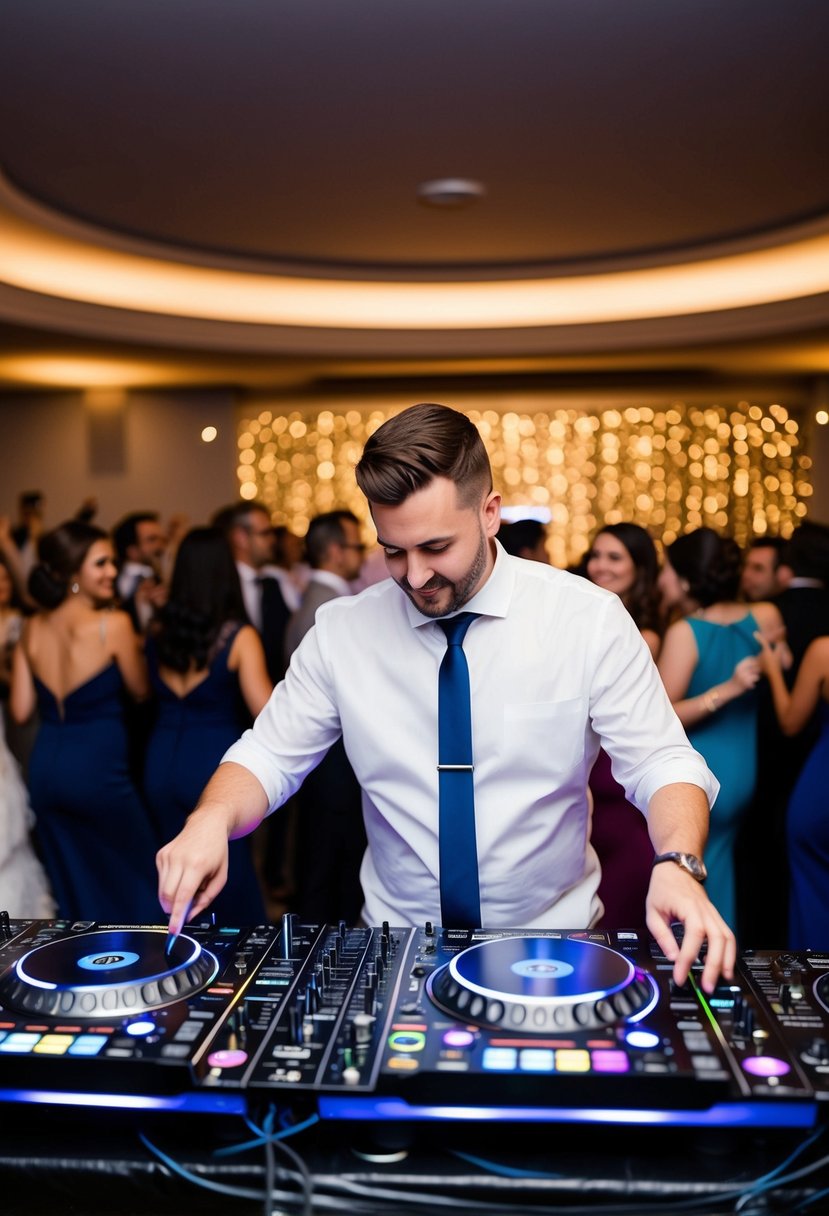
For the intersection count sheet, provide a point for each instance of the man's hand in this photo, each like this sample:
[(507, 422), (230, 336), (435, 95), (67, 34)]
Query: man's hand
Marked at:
[(192, 868), (674, 895)]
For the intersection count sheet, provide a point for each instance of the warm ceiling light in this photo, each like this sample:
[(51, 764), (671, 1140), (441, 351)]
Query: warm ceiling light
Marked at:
[(822, 417), (450, 192), (50, 255), (209, 434)]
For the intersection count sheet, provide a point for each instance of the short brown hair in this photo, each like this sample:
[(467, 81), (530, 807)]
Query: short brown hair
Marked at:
[(423, 442)]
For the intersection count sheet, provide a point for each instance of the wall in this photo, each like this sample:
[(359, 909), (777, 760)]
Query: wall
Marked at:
[(140, 450)]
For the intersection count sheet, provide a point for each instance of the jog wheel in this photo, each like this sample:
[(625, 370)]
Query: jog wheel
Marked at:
[(541, 985), (107, 974)]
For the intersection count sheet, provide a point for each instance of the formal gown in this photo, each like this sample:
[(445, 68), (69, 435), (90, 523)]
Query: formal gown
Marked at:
[(727, 739), (807, 825), (187, 741), (24, 888), (95, 833), (620, 837)]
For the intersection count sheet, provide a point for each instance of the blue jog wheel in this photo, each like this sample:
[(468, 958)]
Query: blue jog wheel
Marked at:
[(541, 985), (108, 973)]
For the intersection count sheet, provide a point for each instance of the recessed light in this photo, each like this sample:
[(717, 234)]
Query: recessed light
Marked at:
[(450, 192)]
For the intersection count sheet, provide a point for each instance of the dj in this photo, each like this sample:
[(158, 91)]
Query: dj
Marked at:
[(556, 668)]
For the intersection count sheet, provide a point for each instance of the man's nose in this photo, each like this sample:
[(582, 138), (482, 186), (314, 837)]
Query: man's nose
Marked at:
[(418, 570)]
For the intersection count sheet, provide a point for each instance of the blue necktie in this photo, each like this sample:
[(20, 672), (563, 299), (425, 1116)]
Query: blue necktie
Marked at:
[(460, 900)]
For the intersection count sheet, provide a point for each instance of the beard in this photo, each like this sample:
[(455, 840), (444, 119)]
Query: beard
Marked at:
[(460, 591)]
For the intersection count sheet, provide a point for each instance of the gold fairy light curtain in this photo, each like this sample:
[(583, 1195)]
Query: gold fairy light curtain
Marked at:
[(740, 469)]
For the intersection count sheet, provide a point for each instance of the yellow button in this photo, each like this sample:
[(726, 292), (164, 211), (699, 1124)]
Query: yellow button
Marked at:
[(403, 1063), (573, 1061), (54, 1044)]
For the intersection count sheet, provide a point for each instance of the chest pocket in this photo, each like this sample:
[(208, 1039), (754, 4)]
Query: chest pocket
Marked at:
[(544, 736)]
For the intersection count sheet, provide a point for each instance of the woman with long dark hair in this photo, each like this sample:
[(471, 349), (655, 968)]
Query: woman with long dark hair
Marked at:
[(207, 666), (709, 664), (75, 661), (623, 559)]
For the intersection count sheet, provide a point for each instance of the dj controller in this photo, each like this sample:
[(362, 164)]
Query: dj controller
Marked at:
[(385, 1023)]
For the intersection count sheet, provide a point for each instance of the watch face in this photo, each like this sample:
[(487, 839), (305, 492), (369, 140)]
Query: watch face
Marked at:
[(686, 861), (693, 865)]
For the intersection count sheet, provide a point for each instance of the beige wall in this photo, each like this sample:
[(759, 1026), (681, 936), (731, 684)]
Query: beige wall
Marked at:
[(142, 451)]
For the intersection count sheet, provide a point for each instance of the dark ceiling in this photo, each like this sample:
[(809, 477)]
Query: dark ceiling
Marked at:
[(292, 136)]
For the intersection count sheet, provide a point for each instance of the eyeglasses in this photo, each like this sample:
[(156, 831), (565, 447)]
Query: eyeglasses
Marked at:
[(261, 531)]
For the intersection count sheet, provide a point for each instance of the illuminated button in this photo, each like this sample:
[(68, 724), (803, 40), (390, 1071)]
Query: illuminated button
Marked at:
[(573, 1061), (140, 1028), (610, 1061), (645, 1040), (402, 1063), (459, 1038), (19, 1042), (54, 1044), (227, 1059), (407, 1040), (87, 1045), (499, 1059), (757, 1066), (534, 1059)]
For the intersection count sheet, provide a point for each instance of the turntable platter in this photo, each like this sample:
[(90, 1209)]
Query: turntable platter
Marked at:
[(541, 985), (107, 973)]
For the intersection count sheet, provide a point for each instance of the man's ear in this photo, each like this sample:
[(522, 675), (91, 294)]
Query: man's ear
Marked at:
[(491, 513)]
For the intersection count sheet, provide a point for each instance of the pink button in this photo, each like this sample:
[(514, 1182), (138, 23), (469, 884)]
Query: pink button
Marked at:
[(227, 1059)]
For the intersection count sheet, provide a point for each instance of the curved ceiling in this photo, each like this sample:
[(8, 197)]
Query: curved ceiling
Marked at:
[(244, 178)]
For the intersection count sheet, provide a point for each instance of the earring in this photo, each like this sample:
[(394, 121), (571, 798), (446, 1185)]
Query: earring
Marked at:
[(75, 588), (685, 585)]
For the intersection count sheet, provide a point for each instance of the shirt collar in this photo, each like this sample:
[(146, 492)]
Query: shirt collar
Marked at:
[(492, 599)]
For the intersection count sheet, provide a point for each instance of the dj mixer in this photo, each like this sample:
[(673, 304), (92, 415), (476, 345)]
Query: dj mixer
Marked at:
[(384, 1023)]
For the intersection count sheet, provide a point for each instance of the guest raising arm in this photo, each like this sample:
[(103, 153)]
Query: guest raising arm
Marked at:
[(807, 821)]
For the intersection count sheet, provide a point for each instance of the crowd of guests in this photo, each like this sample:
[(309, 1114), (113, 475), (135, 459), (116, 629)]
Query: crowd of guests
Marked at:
[(742, 643), (142, 653)]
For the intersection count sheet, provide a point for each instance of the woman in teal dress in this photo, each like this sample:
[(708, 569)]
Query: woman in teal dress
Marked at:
[(710, 666), (74, 663), (207, 667)]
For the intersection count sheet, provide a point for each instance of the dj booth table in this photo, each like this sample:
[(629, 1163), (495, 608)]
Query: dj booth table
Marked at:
[(379, 1071), (78, 1166)]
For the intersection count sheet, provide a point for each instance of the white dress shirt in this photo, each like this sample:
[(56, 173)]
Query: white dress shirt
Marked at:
[(557, 669)]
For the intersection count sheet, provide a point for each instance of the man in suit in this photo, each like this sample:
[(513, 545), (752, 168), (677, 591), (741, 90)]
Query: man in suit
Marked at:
[(330, 835), (269, 597), (140, 542), (268, 594)]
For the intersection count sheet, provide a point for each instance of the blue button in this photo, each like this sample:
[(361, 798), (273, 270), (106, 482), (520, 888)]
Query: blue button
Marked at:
[(87, 1045), (500, 1059)]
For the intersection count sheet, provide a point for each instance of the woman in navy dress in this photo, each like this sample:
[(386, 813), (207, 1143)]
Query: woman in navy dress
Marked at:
[(622, 559), (74, 663), (709, 663), (807, 817), (207, 667)]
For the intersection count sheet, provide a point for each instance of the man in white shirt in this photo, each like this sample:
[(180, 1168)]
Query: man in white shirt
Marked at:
[(557, 669)]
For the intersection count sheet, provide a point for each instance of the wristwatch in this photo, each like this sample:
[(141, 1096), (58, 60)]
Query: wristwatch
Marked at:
[(686, 861)]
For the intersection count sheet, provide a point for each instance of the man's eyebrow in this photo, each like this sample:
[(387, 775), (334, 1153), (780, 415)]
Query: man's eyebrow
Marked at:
[(423, 544)]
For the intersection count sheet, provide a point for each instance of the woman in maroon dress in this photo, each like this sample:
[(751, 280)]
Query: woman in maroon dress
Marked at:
[(623, 559)]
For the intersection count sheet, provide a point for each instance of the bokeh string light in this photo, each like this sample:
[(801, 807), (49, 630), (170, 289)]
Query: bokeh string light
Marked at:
[(741, 469)]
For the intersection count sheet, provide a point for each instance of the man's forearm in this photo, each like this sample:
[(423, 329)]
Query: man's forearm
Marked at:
[(678, 817), (234, 792)]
